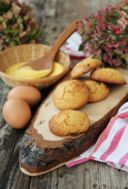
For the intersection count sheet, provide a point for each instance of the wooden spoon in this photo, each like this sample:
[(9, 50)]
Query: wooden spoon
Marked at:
[(46, 62)]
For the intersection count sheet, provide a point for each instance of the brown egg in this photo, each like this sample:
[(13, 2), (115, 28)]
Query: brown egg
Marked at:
[(16, 113), (28, 93)]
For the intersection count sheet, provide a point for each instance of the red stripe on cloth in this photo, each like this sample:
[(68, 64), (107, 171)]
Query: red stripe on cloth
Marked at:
[(113, 144), (105, 134), (76, 162), (122, 115), (124, 159)]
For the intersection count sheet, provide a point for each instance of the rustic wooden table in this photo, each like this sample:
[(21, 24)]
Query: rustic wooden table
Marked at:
[(55, 14)]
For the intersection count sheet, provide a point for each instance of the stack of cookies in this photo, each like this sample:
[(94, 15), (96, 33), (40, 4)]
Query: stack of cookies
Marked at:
[(71, 95)]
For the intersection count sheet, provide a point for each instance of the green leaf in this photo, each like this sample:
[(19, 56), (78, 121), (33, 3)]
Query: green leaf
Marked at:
[(101, 42), (86, 37), (82, 31), (125, 56), (17, 41), (126, 29), (114, 20), (113, 17), (100, 57), (81, 47), (4, 7), (125, 9), (94, 23), (1, 19), (34, 35)]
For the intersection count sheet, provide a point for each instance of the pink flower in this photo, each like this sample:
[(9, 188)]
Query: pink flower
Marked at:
[(116, 62), (122, 22), (105, 57), (105, 35), (113, 45), (115, 29), (104, 25)]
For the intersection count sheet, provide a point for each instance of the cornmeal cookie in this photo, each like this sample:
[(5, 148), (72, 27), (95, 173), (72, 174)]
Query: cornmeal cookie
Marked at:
[(69, 123), (85, 66), (98, 90), (72, 94), (108, 75)]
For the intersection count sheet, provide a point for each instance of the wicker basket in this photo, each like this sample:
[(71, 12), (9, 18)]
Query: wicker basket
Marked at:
[(27, 53)]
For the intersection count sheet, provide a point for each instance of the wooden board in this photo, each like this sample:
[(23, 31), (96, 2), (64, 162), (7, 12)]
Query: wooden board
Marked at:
[(52, 150)]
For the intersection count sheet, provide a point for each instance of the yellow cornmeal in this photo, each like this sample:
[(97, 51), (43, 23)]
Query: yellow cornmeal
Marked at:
[(57, 69), (18, 71)]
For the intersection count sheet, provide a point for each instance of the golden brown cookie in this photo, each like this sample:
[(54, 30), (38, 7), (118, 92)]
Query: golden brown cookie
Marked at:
[(69, 123), (85, 66), (108, 75), (72, 94), (98, 90)]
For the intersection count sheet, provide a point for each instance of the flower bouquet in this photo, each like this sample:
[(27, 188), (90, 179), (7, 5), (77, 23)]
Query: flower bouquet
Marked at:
[(105, 35), (17, 24)]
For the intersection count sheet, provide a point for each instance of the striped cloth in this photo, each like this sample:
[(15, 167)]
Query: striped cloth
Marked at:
[(112, 145), (72, 45)]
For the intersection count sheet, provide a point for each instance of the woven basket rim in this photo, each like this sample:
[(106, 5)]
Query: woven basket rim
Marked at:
[(43, 79)]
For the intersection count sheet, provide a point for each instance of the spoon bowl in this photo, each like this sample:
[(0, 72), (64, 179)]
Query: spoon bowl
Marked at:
[(46, 62), (28, 53)]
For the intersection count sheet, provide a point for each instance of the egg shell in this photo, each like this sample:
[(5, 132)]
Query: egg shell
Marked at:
[(28, 93), (16, 113)]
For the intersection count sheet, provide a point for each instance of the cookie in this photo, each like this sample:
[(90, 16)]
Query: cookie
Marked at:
[(69, 123), (85, 66), (98, 90), (72, 94), (108, 75)]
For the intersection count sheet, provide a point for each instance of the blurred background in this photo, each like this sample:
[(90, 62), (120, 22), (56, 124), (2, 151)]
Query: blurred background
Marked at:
[(54, 15)]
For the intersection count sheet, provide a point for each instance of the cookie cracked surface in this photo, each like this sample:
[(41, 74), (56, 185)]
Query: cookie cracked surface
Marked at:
[(85, 66), (98, 90), (69, 123), (108, 75), (72, 94)]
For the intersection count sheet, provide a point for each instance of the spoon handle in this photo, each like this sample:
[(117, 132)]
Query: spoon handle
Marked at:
[(63, 37)]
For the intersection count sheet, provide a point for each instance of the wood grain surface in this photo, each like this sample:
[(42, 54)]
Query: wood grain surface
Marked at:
[(54, 15)]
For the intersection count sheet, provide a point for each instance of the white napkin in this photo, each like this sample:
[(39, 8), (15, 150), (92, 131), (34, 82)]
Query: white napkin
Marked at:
[(72, 45)]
